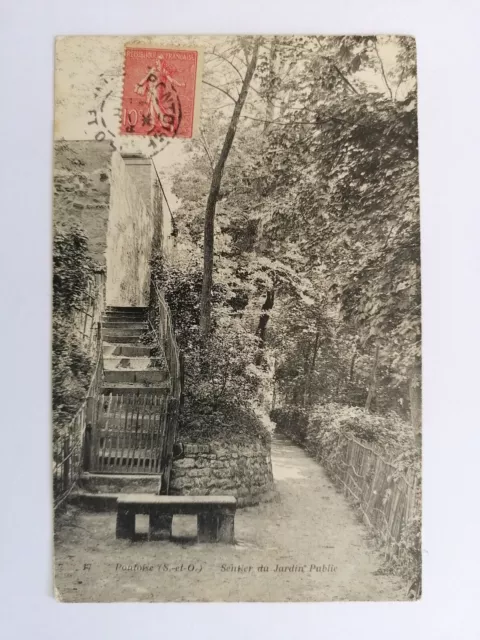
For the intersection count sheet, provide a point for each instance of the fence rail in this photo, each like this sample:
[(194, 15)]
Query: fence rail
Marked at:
[(387, 499), (160, 320)]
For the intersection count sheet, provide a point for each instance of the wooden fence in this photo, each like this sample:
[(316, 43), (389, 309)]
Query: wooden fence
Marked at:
[(129, 433), (68, 445), (387, 499)]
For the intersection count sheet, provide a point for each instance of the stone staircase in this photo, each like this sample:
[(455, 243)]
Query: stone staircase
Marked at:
[(131, 366)]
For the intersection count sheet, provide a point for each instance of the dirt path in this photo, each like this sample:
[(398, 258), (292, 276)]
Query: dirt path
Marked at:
[(309, 540)]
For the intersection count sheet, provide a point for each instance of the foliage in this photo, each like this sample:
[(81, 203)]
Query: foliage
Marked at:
[(343, 179), (325, 423), (227, 422), (71, 372), (71, 364), (292, 422), (72, 269), (319, 203), (220, 378), (388, 433)]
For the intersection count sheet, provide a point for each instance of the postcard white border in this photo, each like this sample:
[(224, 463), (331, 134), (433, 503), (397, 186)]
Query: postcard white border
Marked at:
[(448, 49)]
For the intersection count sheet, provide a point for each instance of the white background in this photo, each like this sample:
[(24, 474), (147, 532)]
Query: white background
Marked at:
[(448, 42)]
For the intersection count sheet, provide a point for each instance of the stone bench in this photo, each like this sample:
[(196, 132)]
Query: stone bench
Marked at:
[(215, 515)]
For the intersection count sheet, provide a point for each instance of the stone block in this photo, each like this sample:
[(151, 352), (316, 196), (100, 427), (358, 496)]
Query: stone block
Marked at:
[(198, 473), (185, 463), (204, 448), (190, 449), (227, 483), (224, 473), (218, 464)]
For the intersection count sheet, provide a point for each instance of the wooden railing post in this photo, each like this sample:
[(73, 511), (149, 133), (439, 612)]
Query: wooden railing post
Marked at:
[(167, 453), (181, 359), (87, 448), (87, 441), (66, 463)]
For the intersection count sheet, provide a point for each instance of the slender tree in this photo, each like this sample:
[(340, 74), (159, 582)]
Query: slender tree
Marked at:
[(208, 244)]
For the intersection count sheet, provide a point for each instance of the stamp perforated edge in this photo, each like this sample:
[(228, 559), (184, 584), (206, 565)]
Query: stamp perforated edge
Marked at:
[(197, 104)]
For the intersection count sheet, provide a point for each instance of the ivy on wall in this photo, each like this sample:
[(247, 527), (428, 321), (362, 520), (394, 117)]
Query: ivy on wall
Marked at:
[(71, 364)]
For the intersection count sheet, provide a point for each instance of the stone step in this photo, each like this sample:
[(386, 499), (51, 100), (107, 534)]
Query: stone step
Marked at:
[(119, 315), (128, 350), (127, 324), (122, 339), (127, 317), (116, 321), (124, 331), (135, 388), (110, 309), (98, 502), (119, 483), (137, 363), (149, 375), (137, 313)]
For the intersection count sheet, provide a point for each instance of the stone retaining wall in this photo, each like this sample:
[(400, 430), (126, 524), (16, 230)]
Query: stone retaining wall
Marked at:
[(244, 471)]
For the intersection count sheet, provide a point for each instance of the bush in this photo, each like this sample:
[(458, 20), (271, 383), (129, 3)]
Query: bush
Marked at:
[(320, 428), (71, 371), (71, 364), (292, 422), (72, 269), (388, 433), (220, 378), (227, 422)]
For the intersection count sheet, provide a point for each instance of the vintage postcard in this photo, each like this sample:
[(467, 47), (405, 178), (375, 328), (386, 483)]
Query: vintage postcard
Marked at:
[(236, 346)]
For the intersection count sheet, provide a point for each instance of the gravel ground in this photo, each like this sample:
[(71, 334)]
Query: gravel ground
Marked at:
[(308, 545)]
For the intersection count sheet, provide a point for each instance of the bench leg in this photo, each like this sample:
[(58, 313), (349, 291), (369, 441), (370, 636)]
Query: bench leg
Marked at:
[(125, 524), (207, 526), (226, 528), (160, 526)]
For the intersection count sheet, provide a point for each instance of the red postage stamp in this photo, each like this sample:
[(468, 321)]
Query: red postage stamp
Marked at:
[(160, 92)]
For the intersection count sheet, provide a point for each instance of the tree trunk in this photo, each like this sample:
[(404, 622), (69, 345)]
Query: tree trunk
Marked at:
[(261, 331), (270, 93), (306, 374), (274, 390), (352, 363), (415, 392), (312, 368), (206, 299), (373, 379)]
